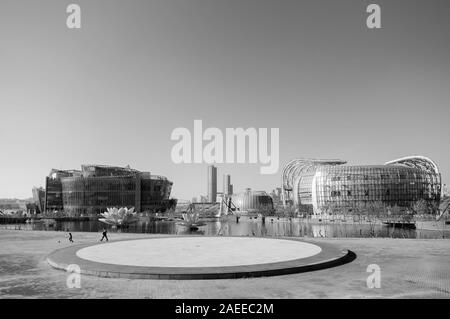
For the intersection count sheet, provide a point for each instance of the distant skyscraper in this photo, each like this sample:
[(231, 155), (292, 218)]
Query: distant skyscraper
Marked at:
[(226, 184), (212, 184)]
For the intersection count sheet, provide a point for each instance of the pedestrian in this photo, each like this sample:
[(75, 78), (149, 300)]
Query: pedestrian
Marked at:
[(105, 235), (70, 237)]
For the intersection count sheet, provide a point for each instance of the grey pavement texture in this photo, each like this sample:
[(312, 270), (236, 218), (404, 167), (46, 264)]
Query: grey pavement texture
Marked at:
[(410, 268)]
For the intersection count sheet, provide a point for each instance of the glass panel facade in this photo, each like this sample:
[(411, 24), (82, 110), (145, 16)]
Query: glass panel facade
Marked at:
[(253, 202), (95, 188), (355, 186)]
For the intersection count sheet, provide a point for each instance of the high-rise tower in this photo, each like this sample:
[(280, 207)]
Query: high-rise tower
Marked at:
[(212, 183), (226, 186)]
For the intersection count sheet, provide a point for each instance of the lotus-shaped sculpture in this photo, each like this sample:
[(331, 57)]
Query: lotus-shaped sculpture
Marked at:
[(191, 219), (119, 217)]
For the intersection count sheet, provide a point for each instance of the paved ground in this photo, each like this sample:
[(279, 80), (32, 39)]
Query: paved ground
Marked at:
[(198, 251), (198, 257), (410, 268)]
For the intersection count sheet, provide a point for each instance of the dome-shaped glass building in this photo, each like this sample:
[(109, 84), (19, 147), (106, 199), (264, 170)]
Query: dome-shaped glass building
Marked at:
[(313, 185), (253, 202)]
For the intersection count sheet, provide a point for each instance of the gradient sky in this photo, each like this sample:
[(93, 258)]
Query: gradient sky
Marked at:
[(113, 91)]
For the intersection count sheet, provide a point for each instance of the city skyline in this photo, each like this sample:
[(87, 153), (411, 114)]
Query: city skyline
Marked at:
[(113, 91)]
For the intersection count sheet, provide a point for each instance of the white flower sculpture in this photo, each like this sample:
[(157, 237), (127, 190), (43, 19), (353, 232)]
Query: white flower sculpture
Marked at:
[(119, 217), (191, 218)]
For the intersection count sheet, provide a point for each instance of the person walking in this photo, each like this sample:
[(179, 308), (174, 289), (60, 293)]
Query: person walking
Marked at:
[(70, 237), (105, 235)]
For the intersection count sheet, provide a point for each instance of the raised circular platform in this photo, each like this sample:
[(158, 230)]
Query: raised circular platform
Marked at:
[(199, 257)]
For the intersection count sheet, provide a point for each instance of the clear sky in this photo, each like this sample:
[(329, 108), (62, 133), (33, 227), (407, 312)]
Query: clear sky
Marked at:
[(113, 91)]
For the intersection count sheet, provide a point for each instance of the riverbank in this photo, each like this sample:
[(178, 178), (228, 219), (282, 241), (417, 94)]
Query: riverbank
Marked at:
[(25, 219), (410, 268), (246, 226)]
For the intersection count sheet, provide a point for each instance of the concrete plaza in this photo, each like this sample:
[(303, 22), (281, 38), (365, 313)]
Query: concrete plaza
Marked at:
[(410, 268), (199, 257)]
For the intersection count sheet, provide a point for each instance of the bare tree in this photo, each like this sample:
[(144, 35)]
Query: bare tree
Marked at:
[(420, 207)]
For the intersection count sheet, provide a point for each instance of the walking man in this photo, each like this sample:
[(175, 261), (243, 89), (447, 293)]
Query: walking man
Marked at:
[(104, 233), (70, 237)]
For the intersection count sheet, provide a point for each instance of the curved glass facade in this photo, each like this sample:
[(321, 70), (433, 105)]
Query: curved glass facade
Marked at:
[(316, 185), (352, 186), (95, 188)]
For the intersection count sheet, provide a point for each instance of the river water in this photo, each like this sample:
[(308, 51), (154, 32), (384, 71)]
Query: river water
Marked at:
[(272, 227)]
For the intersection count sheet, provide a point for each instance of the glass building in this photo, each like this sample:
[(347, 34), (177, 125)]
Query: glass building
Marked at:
[(96, 187), (314, 185), (253, 202)]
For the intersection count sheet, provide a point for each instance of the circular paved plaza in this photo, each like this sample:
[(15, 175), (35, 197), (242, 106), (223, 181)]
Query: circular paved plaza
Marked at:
[(199, 257)]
